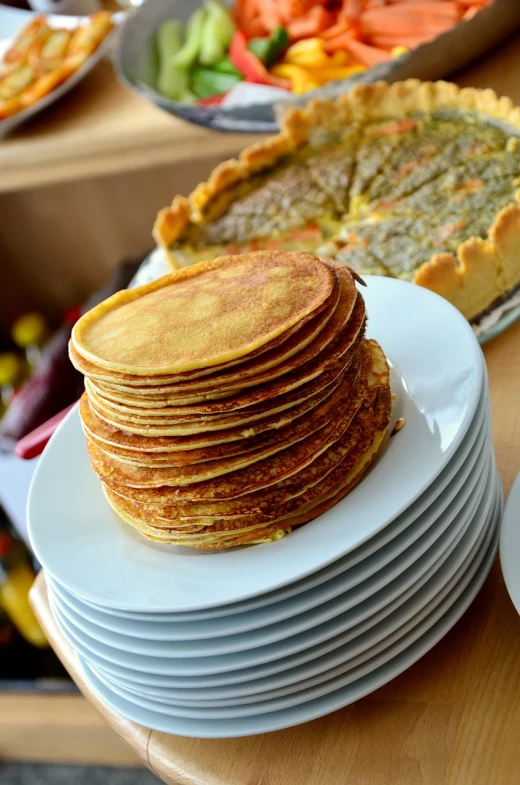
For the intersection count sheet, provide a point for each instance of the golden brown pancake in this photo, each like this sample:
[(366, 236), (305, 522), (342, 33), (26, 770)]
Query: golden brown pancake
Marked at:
[(274, 463), (209, 314), (210, 432), (277, 437), (110, 406), (282, 488), (226, 537), (365, 436), (231, 373), (241, 441)]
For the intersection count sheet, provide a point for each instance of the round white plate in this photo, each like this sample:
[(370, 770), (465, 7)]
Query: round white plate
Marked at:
[(364, 638), (369, 651), (247, 726), (291, 616), (87, 548), (357, 620), (510, 544), (253, 613), (341, 614)]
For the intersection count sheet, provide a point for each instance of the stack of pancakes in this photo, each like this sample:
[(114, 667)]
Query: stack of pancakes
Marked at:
[(233, 400)]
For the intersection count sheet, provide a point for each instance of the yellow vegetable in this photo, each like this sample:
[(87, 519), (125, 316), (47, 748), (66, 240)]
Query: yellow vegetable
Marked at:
[(334, 72), (308, 52), (14, 599), (339, 58), (397, 51), (301, 78)]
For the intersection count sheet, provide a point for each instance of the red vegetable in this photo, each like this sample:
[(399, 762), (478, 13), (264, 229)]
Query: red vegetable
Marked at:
[(249, 64), (212, 100)]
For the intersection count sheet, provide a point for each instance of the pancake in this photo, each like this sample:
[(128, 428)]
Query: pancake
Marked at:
[(294, 430), (348, 314), (224, 377), (209, 314), (241, 473), (342, 347), (253, 416), (209, 435), (237, 441), (200, 537), (244, 451), (284, 485), (365, 434)]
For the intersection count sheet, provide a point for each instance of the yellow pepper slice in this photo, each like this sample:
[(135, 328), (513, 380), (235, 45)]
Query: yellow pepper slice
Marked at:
[(332, 73), (339, 58), (397, 51), (308, 52), (301, 79)]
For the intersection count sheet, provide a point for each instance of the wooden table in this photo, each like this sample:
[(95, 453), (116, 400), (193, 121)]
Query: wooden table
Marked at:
[(451, 719)]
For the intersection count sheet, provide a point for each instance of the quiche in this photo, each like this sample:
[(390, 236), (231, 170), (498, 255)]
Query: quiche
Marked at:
[(414, 180)]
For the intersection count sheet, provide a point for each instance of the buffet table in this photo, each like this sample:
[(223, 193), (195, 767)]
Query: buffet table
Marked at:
[(102, 158)]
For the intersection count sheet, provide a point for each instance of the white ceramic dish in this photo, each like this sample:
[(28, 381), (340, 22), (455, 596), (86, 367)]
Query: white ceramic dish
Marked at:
[(375, 647), (342, 696), (253, 613), (85, 546), (510, 544), (342, 614), (304, 611), (215, 686), (364, 637), (55, 20)]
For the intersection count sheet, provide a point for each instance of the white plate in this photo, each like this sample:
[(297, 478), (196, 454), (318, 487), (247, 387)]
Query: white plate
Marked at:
[(363, 638), (238, 618), (301, 612), (247, 726), (55, 20), (84, 545), (341, 613), (357, 621), (374, 648), (510, 544)]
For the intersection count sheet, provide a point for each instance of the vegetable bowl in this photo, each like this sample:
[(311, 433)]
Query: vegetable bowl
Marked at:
[(212, 64)]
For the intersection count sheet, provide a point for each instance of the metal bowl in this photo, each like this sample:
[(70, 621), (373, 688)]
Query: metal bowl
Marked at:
[(136, 63)]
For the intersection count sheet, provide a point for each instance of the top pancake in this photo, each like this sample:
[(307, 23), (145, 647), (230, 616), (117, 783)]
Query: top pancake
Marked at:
[(203, 316)]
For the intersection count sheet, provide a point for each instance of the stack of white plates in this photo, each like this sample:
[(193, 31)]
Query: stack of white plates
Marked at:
[(260, 638)]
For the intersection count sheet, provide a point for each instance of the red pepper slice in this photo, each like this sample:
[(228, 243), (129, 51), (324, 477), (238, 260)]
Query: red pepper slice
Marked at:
[(248, 63), (212, 100)]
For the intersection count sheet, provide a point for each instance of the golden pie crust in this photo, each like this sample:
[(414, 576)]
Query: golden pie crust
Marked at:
[(481, 272)]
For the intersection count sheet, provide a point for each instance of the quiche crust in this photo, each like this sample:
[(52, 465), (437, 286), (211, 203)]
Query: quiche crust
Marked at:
[(478, 273)]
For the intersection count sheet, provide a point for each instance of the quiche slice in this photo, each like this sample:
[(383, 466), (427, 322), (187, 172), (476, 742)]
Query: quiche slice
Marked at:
[(414, 180)]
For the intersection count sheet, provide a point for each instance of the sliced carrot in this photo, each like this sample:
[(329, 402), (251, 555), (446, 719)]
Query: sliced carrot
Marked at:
[(269, 14), (310, 24), (471, 3), (339, 43), (352, 9), (400, 39), (366, 54), (341, 26), (393, 20)]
